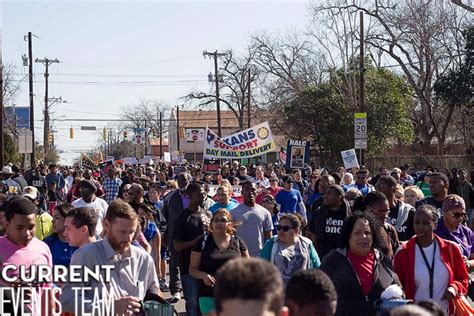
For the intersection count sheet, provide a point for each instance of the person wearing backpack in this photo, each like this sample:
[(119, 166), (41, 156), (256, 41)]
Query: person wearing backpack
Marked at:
[(211, 252)]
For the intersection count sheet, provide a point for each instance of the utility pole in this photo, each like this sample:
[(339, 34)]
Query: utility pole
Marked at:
[(46, 62), (248, 100), (215, 55), (177, 124), (161, 135), (361, 76), (30, 85), (146, 137)]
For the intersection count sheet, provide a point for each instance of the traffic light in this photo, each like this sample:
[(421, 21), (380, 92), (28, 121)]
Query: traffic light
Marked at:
[(71, 133), (125, 135), (104, 134), (153, 133), (50, 137)]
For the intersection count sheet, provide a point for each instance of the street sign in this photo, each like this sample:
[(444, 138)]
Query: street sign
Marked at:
[(88, 128), (139, 136), (194, 134), (138, 139), (360, 130), (360, 143), (25, 142)]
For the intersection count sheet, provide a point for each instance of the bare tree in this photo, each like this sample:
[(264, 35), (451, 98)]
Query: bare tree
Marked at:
[(424, 38), (11, 88), (145, 114), (287, 64), (233, 86), (463, 5)]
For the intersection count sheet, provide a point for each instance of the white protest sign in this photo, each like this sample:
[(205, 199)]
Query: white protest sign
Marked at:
[(130, 160), (167, 156), (349, 158), (212, 190), (237, 190)]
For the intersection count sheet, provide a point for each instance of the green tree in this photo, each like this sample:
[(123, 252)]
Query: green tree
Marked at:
[(325, 113), (52, 155), (10, 151), (455, 87)]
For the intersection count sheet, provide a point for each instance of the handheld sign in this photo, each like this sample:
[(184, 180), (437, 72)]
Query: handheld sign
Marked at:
[(349, 158)]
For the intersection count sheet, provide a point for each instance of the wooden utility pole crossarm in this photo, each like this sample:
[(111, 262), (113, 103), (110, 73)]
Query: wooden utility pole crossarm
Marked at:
[(216, 55)]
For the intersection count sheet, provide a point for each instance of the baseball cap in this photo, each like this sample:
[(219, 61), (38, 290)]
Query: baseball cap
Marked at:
[(30, 192), (453, 202)]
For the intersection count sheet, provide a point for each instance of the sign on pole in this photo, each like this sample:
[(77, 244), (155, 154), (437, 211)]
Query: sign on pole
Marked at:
[(25, 141), (195, 134), (297, 154), (360, 130), (139, 136)]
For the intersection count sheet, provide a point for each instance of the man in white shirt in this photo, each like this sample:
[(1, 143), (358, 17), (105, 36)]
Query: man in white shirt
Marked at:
[(133, 277), (260, 178), (87, 191), (254, 222)]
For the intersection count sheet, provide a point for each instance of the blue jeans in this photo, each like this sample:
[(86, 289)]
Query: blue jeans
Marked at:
[(191, 294)]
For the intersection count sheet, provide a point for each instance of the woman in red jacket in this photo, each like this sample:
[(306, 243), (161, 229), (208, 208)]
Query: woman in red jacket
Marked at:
[(430, 267)]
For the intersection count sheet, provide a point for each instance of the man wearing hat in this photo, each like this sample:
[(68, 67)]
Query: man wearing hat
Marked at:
[(12, 186), (44, 221), (145, 183), (88, 198)]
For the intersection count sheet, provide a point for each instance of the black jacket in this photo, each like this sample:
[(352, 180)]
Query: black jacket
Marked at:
[(350, 298), (318, 224)]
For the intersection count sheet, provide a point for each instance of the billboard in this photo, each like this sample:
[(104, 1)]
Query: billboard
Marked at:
[(20, 114)]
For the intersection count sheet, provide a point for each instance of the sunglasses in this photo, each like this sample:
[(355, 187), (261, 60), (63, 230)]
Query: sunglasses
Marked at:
[(169, 187), (273, 180), (267, 201), (458, 215), (283, 228), (125, 191)]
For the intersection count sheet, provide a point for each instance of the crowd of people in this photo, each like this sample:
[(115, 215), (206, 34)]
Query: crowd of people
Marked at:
[(341, 242)]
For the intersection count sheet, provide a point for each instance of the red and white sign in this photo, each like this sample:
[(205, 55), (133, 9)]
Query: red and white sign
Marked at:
[(194, 134), (139, 138)]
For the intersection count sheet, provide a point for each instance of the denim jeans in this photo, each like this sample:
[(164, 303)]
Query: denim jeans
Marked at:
[(191, 295), (175, 282)]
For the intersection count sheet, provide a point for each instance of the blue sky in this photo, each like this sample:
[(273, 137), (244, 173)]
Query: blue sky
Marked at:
[(105, 47)]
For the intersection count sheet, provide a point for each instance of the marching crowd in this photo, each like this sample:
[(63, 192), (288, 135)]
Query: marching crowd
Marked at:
[(247, 240)]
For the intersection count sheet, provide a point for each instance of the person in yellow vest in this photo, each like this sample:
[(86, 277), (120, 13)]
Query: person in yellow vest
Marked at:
[(44, 221)]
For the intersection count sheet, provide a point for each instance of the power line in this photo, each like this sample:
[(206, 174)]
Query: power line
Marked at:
[(123, 120), (121, 83), (67, 74)]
